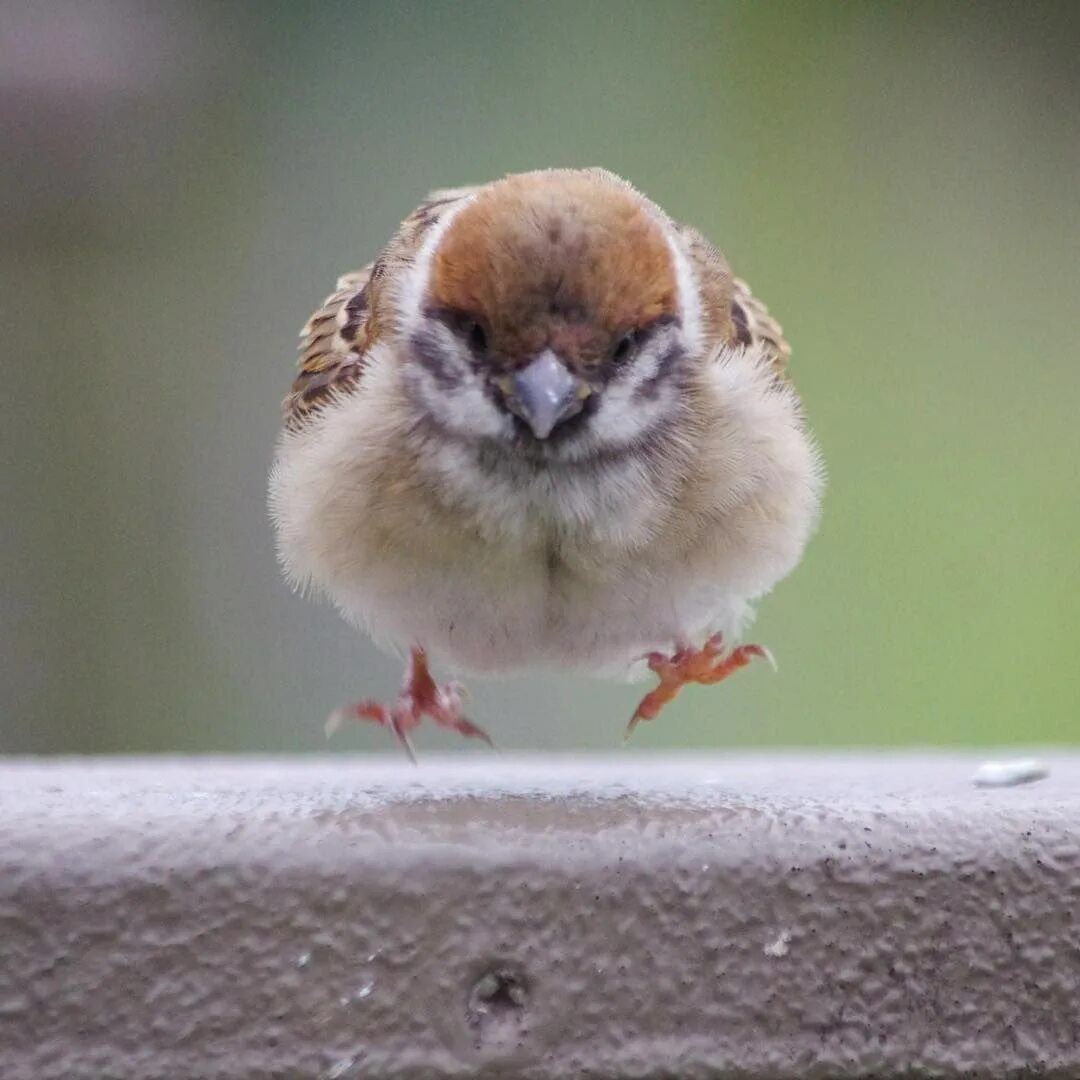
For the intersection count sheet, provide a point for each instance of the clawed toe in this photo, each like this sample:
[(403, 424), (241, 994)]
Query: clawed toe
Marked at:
[(468, 729), (685, 665), (763, 653), (400, 721), (420, 696)]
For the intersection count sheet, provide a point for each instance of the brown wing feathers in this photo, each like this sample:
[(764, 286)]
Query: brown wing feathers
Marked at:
[(753, 323), (330, 346)]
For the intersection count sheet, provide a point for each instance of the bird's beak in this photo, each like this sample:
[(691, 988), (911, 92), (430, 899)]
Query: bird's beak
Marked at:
[(545, 392)]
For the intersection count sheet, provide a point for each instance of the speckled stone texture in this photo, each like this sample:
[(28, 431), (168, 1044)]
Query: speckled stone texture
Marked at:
[(751, 917)]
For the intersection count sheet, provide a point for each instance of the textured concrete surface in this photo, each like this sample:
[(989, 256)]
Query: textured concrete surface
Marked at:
[(773, 917)]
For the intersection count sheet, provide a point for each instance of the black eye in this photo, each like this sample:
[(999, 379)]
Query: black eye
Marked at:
[(624, 347), (476, 336)]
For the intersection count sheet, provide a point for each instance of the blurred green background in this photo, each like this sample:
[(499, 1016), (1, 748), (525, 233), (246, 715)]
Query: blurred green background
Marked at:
[(181, 183)]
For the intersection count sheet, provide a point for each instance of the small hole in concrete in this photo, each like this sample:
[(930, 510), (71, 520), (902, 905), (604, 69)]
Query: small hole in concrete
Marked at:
[(497, 1003)]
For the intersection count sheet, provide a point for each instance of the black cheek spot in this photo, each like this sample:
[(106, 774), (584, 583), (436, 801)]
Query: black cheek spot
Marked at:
[(649, 389), (429, 351)]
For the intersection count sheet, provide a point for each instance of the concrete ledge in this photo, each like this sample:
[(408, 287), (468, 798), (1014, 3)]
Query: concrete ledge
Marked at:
[(780, 917)]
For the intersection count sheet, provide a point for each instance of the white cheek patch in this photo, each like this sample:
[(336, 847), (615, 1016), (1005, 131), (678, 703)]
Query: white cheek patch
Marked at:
[(689, 297), (619, 418), (469, 411), (464, 409), (414, 288), (447, 387), (645, 367), (623, 412)]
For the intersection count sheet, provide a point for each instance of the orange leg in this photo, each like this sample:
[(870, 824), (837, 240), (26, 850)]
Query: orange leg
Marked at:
[(690, 665), (420, 696)]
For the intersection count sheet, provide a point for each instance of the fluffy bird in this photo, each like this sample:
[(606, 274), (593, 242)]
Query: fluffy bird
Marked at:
[(546, 428)]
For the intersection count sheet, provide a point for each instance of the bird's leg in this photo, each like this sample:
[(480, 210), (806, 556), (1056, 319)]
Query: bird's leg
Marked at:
[(420, 696), (689, 665)]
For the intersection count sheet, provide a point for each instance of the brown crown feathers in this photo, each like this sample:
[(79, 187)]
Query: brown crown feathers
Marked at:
[(572, 269)]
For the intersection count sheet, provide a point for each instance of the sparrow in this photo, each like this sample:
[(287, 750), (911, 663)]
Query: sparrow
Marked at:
[(545, 428)]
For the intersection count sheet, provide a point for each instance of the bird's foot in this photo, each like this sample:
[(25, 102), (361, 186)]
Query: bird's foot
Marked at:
[(689, 665), (420, 696)]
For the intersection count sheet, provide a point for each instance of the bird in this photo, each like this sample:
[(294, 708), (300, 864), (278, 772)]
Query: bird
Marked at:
[(546, 429)]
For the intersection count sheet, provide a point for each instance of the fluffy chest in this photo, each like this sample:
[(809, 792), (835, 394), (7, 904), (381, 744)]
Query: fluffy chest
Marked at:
[(497, 567), (585, 519)]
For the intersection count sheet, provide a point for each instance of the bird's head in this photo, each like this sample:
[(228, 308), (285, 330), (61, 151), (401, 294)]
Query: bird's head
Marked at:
[(548, 316)]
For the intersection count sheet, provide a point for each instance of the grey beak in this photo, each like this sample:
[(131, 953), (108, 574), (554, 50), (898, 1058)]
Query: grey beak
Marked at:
[(545, 393)]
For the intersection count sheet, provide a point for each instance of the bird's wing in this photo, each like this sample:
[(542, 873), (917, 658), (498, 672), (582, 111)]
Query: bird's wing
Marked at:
[(332, 346), (754, 325), (338, 336), (732, 314)]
